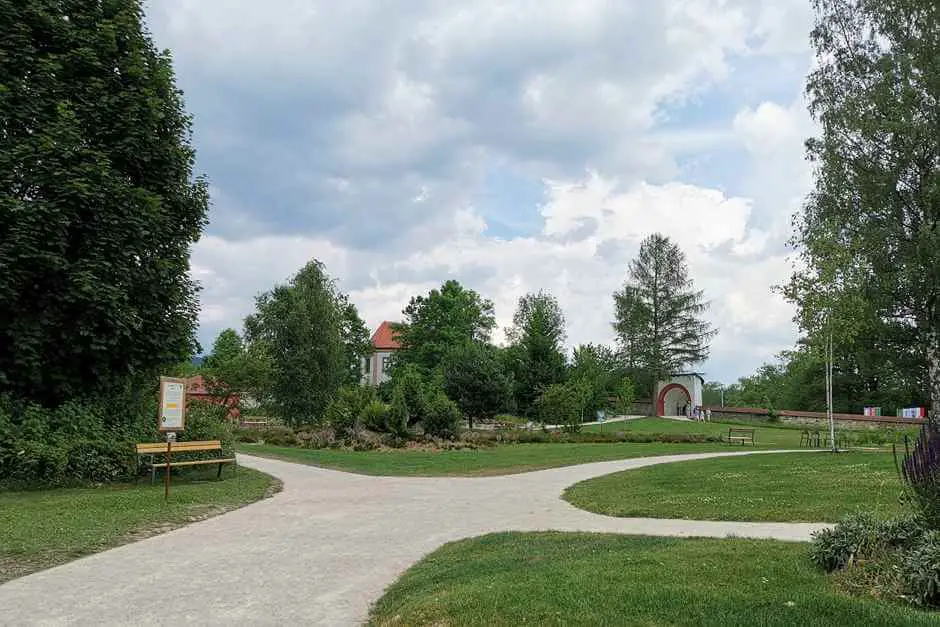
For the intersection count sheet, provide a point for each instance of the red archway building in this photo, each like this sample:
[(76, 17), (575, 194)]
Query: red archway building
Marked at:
[(661, 399)]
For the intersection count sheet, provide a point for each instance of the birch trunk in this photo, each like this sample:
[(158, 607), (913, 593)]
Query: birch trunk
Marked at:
[(933, 374)]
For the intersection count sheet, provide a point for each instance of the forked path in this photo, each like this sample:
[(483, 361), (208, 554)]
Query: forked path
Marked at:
[(321, 551)]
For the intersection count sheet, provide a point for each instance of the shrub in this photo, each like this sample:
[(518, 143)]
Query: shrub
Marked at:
[(374, 415), (920, 472), (920, 571), (560, 404), (442, 417), (279, 436), (856, 537), (397, 417), (414, 389), (100, 461)]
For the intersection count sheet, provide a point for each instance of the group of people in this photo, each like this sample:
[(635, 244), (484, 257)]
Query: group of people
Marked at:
[(697, 412)]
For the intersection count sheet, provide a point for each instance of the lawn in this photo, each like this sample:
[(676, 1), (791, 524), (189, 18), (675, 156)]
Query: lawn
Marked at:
[(43, 528), (808, 487), (498, 460), (764, 436), (599, 579)]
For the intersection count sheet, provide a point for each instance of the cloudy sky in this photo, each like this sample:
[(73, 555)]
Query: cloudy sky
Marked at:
[(512, 145)]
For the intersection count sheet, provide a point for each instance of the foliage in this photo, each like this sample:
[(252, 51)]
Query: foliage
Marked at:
[(227, 347), (442, 416), (658, 313), (98, 204), (447, 318), (347, 411), (304, 327), (596, 371), (920, 571), (397, 418), (412, 384), (562, 404), (535, 357), (473, 378), (375, 415), (71, 444), (920, 471), (897, 558), (624, 396), (869, 234)]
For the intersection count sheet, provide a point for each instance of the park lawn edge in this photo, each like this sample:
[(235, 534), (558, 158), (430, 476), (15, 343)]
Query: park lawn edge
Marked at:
[(14, 567), (306, 457)]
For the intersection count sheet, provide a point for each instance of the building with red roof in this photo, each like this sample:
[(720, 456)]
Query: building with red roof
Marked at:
[(385, 343)]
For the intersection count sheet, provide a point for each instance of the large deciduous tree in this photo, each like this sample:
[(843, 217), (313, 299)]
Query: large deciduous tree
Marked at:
[(303, 327), (98, 204), (869, 234), (441, 321), (474, 379), (658, 314), (535, 355)]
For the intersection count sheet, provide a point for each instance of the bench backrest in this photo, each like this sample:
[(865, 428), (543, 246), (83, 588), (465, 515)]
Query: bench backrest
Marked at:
[(156, 448), (738, 430)]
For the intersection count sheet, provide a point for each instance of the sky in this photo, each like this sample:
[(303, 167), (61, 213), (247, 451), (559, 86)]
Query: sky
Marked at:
[(511, 145)]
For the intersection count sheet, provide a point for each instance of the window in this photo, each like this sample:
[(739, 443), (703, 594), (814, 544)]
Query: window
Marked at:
[(368, 365), (386, 361)]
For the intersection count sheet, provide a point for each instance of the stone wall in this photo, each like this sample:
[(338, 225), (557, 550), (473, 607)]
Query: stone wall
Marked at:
[(815, 418)]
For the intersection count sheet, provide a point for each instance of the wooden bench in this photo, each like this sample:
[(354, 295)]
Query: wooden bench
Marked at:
[(744, 436), (155, 449)]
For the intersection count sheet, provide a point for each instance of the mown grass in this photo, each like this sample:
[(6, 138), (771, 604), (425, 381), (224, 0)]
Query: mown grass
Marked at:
[(498, 460), (783, 436), (43, 528), (808, 487), (598, 579)]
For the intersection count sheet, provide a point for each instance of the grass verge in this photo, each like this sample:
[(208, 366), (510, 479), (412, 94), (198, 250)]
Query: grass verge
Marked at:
[(597, 579), (783, 436), (795, 487), (498, 460), (44, 528)]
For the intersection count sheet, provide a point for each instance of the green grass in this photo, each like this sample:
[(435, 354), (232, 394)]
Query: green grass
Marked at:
[(498, 460), (783, 436), (43, 528), (809, 487), (596, 579)]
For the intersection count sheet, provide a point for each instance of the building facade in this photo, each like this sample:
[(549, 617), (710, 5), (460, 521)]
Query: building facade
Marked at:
[(681, 393), (384, 344)]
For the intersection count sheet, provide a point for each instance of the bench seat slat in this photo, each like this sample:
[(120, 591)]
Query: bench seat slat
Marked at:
[(197, 462)]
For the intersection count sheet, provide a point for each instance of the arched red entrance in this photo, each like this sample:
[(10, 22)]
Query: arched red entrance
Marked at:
[(661, 401)]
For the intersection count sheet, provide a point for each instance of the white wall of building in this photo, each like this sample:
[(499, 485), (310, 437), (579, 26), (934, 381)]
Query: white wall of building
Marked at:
[(375, 368)]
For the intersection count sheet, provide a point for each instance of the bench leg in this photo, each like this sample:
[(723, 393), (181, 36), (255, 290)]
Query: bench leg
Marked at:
[(153, 471), (219, 474)]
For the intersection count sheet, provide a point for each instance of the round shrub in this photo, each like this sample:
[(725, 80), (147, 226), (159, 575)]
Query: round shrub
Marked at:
[(441, 416), (920, 571)]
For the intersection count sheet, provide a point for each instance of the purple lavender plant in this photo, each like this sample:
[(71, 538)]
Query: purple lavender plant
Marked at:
[(920, 473)]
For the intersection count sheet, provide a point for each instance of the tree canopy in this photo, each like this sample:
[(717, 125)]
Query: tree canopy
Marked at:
[(98, 203), (536, 355), (658, 314), (444, 319), (308, 333), (869, 234)]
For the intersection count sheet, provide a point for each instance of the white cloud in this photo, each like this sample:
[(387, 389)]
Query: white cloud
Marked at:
[(359, 133)]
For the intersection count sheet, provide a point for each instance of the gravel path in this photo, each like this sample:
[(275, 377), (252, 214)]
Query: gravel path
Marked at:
[(324, 549)]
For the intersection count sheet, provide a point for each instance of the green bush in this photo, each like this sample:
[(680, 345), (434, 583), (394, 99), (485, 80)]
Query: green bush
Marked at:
[(279, 436), (398, 416), (856, 537), (414, 389), (247, 436), (72, 444), (374, 415), (920, 571), (344, 413), (442, 417), (561, 404)]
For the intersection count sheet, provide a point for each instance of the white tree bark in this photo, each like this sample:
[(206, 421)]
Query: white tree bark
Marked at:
[(933, 374)]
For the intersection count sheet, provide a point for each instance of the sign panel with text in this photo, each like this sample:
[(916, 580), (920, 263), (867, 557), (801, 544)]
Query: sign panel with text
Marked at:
[(172, 404)]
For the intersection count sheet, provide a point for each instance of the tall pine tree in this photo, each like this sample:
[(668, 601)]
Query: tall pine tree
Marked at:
[(98, 204), (536, 355), (658, 313)]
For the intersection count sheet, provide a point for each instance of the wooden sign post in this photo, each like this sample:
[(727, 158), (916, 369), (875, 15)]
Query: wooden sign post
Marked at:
[(172, 418)]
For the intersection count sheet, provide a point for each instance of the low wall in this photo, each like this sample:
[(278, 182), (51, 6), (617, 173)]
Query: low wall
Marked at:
[(815, 418), (642, 408)]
